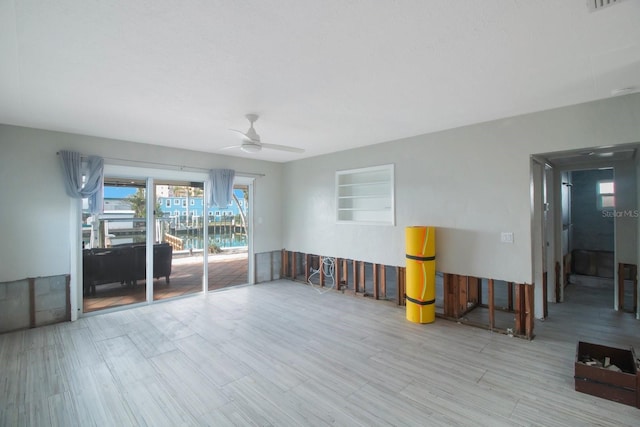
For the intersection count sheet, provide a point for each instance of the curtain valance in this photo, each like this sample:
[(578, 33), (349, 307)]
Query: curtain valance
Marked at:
[(221, 187), (84, 179)]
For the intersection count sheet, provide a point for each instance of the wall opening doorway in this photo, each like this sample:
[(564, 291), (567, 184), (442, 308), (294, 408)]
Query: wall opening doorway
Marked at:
[(590, 235), (594, 204)]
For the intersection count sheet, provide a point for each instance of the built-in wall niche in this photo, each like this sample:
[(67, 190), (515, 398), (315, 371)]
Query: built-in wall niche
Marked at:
[(365, 195)]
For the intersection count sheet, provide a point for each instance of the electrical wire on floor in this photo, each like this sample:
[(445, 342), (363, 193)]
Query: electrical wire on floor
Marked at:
[(328, 268)]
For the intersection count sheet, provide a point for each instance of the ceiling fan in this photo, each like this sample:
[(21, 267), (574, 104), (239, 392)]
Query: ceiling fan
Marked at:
[(251, 140)]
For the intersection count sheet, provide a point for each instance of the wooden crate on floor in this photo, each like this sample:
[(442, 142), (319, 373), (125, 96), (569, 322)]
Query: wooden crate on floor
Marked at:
[(599, 381)]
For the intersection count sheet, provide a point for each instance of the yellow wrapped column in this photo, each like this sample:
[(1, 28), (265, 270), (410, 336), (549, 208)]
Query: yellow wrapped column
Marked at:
[(420, 283)]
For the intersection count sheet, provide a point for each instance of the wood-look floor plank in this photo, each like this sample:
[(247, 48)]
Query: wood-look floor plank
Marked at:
[(482, 406), (168, 325), (268, 401), (44, 376), (62, 410), (152, 404), (192, 390), (398, 410), (282, 375), (126, 363), (148, 339), (76, 348), (99, 400), (283, 354), (212, 362), (232, 414), (325, 404)]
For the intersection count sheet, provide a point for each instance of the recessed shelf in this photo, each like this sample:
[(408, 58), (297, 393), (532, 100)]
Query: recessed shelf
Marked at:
[(365, 196)]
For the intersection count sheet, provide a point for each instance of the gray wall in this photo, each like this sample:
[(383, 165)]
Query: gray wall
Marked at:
[(592, 230), (36, 217), (472, 183)]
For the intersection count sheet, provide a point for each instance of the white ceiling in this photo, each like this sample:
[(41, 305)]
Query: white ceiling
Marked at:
[(324, 75)]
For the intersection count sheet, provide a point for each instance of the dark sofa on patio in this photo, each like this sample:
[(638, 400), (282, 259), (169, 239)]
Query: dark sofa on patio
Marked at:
[(125, 264)]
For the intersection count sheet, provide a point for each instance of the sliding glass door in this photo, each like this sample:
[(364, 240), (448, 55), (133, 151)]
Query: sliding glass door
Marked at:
[(179, 239), (114, 247), (158, 239), (229, 241)]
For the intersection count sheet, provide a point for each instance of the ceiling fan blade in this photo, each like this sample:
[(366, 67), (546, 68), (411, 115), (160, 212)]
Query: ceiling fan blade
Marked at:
[(283, 148), (244, 135)]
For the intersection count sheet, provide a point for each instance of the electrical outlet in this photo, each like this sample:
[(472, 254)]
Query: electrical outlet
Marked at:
[(506, 237)]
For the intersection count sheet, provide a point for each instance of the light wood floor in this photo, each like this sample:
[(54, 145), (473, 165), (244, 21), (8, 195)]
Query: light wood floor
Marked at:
[(282, 354)]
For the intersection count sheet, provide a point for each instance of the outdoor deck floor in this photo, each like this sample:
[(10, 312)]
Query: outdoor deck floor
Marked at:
[(186, 278)]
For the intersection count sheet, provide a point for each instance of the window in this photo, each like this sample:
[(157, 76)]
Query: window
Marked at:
[(184, 203), (210, 213), (176, 202), (168, 203), (193, 202), (606, 195), (217, 213)]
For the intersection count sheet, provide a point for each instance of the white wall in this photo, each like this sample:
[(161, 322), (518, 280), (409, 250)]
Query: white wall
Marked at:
[(471, 183), (35, 211)]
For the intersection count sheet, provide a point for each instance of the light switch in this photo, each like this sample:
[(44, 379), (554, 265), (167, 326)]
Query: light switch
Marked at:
[(506, 237)]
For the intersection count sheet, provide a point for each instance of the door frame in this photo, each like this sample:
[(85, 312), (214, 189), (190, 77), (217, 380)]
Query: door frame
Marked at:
[(149, 175)]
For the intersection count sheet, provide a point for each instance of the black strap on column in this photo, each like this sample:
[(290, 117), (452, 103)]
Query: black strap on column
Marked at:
[(415, 301), (421, 258)]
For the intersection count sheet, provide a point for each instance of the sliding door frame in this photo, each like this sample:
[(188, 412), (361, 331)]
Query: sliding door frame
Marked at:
[(150, 175)]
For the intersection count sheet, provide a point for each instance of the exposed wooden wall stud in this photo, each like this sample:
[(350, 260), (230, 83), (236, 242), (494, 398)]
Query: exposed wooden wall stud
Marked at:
[(354, 264), (375, 282), (634, 276), (345, 274), (558, 281), (463, 298), (545, 303), (67, 280), (473, 290), (529, 303), (283, 264), (307, 267), (32, 302), (270, 266), (462, 293), (492, 307), (400, 280), (294, 264), (620, 286)]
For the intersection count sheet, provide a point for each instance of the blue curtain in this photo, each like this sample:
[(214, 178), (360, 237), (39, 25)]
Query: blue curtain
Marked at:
[(92, 186), (221, 187)]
